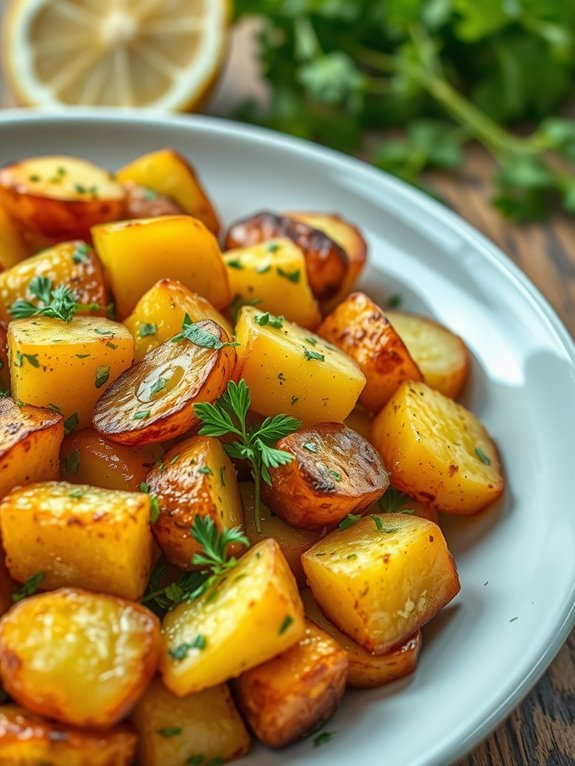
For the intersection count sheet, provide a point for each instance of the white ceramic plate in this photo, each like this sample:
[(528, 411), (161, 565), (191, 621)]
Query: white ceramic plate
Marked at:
[(517, 560)]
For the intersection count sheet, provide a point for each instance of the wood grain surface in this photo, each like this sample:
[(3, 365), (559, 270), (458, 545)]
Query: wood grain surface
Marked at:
[(541, 731)]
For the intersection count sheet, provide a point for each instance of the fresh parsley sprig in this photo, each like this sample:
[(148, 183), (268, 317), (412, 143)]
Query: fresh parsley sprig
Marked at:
[(58, 302), (195, 333), (227, 416)]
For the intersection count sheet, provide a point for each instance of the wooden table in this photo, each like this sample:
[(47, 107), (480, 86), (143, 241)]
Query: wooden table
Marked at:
[(541, 732)]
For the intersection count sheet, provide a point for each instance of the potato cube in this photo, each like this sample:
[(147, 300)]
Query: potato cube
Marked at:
[(367, 670), (72, 264), (78, 657), (360, 328), (136, 254), (27, 739), (168, 173), (296, 692), (87, 457), (291, 370), (67, 366), (273, 274), (159, 315), (12, 246), (383, 578), (292, 542), (195, 478), (334, 471), (437, 451), (30, 440), (250, 614), (79, 536), (172, 730)]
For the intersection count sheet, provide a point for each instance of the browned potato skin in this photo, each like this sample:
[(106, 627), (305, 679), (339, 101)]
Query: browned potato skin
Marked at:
[(27, 739), (327, 263), (184, 493), (85, 278), (307, 493), (204, 377), (360, 328), (30, 439), (15, 665), (295, 693), (140, 204)]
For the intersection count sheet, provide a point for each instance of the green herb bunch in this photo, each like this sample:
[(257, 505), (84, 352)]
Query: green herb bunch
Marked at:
[(445, 71)]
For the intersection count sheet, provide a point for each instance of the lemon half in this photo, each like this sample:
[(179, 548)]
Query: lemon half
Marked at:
[(158, 54)]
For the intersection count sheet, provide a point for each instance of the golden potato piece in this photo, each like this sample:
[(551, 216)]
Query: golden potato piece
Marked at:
[(27, 739), (30, 439), (67, 366), (291, 370), (160, 312), (12, 247), (296, 692), (252, 613), (136, 254), (272, 275), (383, 578), (360, 328), (60, 197), (441, 356), (72, 264), (142, 202), (168, 173), (195, 478), (78, 657), (173, 730), (367, 670), (348, 237), (80, 536), (154, 400), (326, 262), (335, 471), (292, 542), (87, 457), (437, 451)]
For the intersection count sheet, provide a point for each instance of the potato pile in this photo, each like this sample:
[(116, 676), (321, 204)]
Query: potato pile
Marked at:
[(221, 472)]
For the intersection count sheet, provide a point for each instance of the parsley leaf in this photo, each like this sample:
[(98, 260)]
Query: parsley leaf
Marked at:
[(29, 587), (58, 303), (195, 333), (146, 329)]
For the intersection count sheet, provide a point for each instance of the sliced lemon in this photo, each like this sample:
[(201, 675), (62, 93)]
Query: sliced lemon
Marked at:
[(158, 54)]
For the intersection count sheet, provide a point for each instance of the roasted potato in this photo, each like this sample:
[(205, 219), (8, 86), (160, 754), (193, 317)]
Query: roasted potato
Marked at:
[(27, 739), (195, 478), (347, 236), (367, 670), (4, 365), (272, 275), (360, 420), (168, 173), (136, 254), (142, 202), (437, 451), (67, 366), (394, 501), (154, 400), (72, 264), (12, 247), (173, 730), (334, 471), (293, 694), (81, 536), (360, 328), (249, 615), (441, 356), (8, 586), (160, 312), (87, 457), (78, 657), (292, 542), (60, 197), (30, 439), (327, 263), (383, 578), (289, 369)]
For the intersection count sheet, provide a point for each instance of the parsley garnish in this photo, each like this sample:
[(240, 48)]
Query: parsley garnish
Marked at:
[(311, 341), (188, 586), (234, 263), (268, 319), (292, 276), (393, 302), (264, 269), (100, 331), (141, 415), (228, 416), (29, 587), (482, 456), (181, 651), (349, 521), (102, 376), (146, 329), (323, 738), (205, 469), (82, 253), (214, 545), (336, 475), (238, 303), (196, 334), (31, 358), (285, 624), (158, 386), (71, 462), (71, 423), (383, 527), (170, 731), (312, 355), (310, 447), (394, 501), (57, 303), (76, 494)]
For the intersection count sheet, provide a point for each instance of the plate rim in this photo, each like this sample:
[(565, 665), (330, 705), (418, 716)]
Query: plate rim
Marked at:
[(476, 732)]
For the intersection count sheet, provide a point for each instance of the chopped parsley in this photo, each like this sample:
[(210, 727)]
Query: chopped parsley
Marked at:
[(285, 624), (267, 319), (81, 253), (323, 738), (310, 447), (71, 423), (71, 462), (349, 521), (170, 731), (292, 276), (482, 456), (29, 587), (234, 263), (309, 355), (141, 415), (181, 651), (147, 328), (196, 334), (102, 376)]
